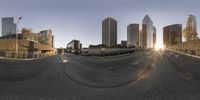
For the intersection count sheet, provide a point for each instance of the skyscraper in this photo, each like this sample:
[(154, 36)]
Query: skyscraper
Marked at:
[(147, 30), (140, 38), (109, 32), (172, 35), (133, 35), (52, 41), (154, 37), (8, 26), (190, 30)]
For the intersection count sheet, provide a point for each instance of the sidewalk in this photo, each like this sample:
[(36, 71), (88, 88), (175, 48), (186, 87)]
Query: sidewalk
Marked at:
[(183, 53)]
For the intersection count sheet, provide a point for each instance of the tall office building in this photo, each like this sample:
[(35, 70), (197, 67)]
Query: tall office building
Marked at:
[(154, 37), (52, 43), (133, 35), (46, 37), (190, 30), (147, 30), (140, 38), (8, 26), (172, 35), (109, 32)]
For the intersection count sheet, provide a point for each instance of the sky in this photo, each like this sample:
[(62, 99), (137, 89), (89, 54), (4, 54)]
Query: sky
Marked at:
[(82, 19)]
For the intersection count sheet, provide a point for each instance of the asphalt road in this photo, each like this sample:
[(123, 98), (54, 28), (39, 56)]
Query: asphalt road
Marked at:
[(145, 75)]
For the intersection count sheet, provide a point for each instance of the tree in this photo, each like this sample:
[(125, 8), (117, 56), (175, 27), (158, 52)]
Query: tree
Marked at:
[(26, 32), (177, 40)]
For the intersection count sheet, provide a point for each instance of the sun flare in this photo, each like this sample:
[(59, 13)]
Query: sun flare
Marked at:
[(159, 47)]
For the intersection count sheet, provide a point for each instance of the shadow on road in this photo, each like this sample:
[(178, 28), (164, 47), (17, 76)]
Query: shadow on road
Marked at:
[(12, 71), (182, 72), (110, 73)]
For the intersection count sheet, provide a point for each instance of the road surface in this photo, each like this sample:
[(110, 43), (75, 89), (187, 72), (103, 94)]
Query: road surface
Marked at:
[(145, 75)]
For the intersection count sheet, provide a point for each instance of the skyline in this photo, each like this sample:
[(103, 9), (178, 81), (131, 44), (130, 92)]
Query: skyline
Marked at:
[(76, 20)]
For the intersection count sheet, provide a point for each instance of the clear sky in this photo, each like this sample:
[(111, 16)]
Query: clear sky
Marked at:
[(81, 19)]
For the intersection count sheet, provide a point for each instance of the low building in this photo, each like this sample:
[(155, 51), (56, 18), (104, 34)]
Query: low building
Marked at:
[(24, 49), (61, 50), (47, 37), (124, 43), (74, 46)]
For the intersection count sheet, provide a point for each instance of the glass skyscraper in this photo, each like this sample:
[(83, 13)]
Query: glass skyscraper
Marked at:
[(147, 30), (8, 26)]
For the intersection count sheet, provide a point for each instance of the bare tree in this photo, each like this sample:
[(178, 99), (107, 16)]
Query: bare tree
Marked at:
[(26, 32)]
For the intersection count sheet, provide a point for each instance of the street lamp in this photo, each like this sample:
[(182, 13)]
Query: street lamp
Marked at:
[(17, 37)]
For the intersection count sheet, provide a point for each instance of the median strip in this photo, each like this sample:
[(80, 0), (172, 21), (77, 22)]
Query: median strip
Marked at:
[(63, 59)]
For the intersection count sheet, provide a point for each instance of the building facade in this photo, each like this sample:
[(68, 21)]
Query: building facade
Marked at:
[(8, 26), (46, 37), (52, 43), (109, 32), (154, 37), (190, 30), (26, 49), (147, 30), (172, 35), (133, 35), (140, 38), (124, 43), (74, 44)]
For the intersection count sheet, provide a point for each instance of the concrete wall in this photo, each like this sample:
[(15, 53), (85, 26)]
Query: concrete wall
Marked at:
[(190, 47)]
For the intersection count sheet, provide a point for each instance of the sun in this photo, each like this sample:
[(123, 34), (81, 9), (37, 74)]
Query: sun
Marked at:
[(159, 46)]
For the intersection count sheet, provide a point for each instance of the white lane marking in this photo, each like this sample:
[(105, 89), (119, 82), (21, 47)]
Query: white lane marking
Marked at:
[(176, 56), (136, 62), (65, 60), (167, 54)]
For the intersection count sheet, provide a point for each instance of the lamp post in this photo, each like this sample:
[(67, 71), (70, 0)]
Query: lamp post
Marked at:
[(17, 37)]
